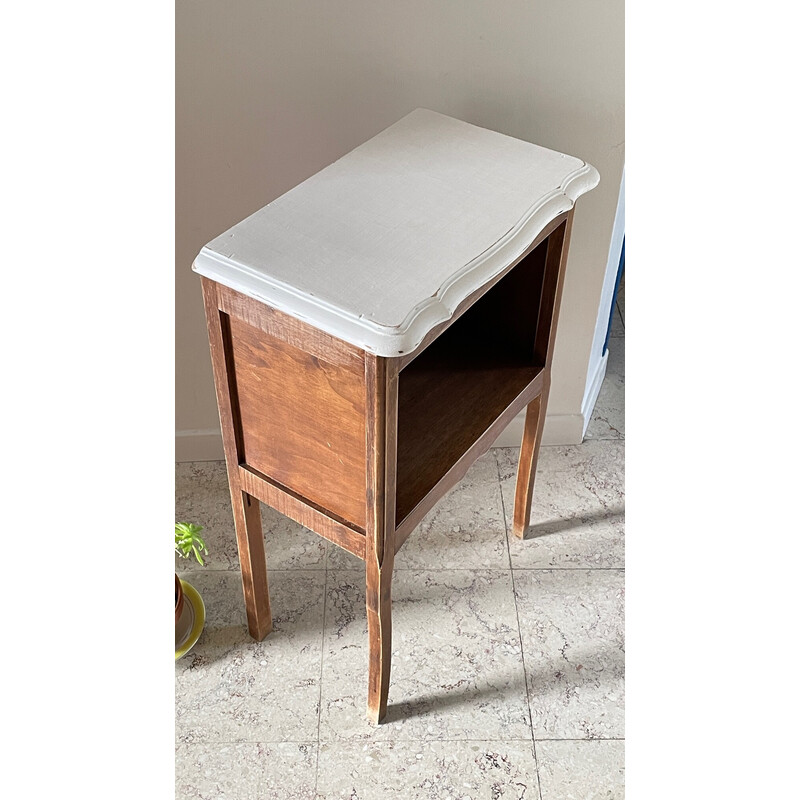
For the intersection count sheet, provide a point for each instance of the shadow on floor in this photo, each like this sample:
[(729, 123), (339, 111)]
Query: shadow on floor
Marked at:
[(587, 667), (616, 514)]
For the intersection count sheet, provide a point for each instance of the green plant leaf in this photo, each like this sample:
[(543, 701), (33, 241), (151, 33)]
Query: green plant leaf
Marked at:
[(188, 541)]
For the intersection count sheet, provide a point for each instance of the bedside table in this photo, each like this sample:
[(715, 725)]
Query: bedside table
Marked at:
[(372, 332)]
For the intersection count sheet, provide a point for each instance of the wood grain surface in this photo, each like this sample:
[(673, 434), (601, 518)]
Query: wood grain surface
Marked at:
[(547, 324), (302, 420), (246, 512), (381, 381)]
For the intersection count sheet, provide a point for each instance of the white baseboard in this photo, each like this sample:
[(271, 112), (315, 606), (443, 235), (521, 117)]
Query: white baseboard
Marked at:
[(590, 398), (558, 429), (199, 445), (206, 445)]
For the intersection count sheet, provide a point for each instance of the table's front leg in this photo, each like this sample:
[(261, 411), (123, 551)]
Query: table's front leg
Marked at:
[(381, 442), (379, 626)]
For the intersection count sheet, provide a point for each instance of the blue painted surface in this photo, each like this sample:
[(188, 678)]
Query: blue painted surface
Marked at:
[(620, 270)]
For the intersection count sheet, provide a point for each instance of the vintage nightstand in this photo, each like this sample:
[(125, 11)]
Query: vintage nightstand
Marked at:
[(372, 332)]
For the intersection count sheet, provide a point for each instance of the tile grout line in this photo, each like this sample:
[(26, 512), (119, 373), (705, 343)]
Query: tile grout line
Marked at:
[(356, 740), (569, 569), (321, 662), (519, 628), (593, 739), (238, 571), (428, 569), (215, 743)]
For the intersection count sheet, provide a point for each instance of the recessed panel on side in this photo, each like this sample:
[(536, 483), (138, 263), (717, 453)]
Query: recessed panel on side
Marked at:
[(302, 420)]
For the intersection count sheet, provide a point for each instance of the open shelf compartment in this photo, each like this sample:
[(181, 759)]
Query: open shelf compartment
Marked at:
[(453, 391)]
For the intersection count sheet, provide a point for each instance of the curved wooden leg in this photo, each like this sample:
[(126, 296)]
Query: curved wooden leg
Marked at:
[(379, 625), (528, 458), (381, 381)]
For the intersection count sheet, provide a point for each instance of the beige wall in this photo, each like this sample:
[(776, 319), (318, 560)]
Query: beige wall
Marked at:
[(270, 92)]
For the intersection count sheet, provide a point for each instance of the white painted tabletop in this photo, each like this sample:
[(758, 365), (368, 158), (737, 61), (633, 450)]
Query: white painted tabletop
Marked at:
[(382, 245)]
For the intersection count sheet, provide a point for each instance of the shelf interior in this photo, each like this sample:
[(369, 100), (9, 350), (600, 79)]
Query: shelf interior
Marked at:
[(451, 393)]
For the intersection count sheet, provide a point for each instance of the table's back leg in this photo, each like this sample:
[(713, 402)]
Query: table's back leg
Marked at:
[(246, 511), (528, 458), (381, 387), (550, 302)]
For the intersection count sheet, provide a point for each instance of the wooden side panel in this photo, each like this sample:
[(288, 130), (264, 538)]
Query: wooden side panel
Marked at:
[(297, 508), (302, 420), (288, 329)]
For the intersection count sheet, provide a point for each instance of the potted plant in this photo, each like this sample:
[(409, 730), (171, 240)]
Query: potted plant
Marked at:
[(189, 610)]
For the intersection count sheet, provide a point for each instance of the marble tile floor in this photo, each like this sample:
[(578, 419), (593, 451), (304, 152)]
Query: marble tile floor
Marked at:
[(508, 655)]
